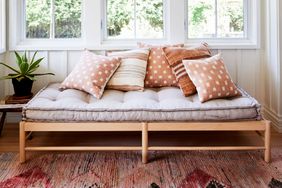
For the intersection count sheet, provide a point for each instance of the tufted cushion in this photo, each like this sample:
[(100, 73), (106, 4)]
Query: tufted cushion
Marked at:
[(211, 78), (164, 104), (159, 73), (176, 55), (91, 74), (131, 73)]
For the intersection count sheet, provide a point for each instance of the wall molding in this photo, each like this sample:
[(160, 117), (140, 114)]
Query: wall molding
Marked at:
[(275, 119)]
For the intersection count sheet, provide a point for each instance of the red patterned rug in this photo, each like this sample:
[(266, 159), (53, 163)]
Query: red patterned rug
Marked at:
[(169, 169)]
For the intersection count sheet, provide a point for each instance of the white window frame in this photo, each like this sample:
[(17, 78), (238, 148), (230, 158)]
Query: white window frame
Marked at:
[(3, 26), (251, 37), (93, 30), (107, 40)]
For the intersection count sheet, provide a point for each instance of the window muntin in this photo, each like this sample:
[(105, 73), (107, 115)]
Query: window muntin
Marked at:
[(134, 19), (49, 19), (216, 19)]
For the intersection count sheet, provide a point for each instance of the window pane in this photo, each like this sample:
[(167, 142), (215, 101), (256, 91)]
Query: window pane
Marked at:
[(120, 18), (201, 18), (149, 21), (230, 18), (67, 18), (38, 18), (131, 19)]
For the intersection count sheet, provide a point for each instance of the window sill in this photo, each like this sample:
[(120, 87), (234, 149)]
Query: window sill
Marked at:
[(226, 44), (79, 44)]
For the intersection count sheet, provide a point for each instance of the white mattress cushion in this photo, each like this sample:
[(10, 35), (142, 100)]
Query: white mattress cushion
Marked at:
[(163, 104)]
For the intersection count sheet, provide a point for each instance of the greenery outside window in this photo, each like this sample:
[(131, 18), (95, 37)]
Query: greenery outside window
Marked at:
[(134, 19), (217, 19)]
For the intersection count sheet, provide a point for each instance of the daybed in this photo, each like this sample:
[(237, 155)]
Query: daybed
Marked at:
[(164, 109)]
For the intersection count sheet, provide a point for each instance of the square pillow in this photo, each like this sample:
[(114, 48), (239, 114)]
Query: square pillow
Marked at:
[(211, 78), (175, 55), (159, 73), (92, 74), (131, 74)]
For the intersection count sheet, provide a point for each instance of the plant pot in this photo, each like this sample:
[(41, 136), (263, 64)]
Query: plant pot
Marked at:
[(23, 87)]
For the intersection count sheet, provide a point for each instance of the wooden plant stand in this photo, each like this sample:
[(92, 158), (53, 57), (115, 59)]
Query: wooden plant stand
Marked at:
[(11, 104)]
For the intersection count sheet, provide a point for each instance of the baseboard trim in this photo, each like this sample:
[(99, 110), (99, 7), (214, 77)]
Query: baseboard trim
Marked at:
[(275, 119)]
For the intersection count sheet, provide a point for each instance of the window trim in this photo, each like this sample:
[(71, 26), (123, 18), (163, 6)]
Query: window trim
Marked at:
[(92, 30), (3, 26), (107, 40)]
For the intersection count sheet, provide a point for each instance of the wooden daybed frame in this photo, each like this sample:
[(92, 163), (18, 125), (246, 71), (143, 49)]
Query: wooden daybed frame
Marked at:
[(146, 127)]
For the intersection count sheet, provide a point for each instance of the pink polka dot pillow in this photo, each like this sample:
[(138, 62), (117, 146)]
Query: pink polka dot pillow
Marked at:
[(159, 73), (211, 78), (92, 74)]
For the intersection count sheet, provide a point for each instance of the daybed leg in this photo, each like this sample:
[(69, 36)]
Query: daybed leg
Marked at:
[(22, 142), (267, 152), (144, 143)]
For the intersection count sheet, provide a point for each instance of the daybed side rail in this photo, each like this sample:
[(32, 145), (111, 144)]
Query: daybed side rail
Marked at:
[(263, 126)]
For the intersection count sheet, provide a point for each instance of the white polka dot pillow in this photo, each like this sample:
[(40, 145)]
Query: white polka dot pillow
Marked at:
[(211, 78), (159, 73), (92, 74)]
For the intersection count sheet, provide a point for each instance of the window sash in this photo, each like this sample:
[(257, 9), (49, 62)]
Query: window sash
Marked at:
[(52, 23), (245, 20), (104, 25)]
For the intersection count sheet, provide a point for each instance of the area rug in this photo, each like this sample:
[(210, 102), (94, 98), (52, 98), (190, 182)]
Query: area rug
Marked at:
[(124, 169)]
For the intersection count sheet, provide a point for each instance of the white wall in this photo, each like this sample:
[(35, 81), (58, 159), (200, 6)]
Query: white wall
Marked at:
[(243, 65), (272, 67), (2, 59)]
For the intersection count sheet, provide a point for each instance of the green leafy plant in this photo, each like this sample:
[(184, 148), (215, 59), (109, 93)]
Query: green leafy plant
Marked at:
[(26, 68)]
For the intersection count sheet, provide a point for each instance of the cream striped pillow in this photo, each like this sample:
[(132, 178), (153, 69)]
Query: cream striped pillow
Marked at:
[(131, 73)]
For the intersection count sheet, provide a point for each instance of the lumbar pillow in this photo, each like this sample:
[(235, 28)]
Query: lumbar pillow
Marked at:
[(159, 73), (175, 55), (131, 74), (92, 74), (211, 78)]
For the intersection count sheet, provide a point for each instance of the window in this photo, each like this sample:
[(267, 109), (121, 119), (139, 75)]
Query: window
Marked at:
[(134, 19), (119, 24), (50, 19), (2, 26), (217, 19)]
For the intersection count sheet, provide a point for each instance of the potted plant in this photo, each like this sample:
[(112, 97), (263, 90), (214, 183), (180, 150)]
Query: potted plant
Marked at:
[(24, 76)]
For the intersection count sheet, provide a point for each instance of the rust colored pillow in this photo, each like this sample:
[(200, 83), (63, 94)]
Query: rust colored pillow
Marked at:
[(92, 74), (159, 73), (211, 78), (175, 55)]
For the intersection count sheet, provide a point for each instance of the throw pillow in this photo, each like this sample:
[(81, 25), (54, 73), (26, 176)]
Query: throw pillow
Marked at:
[(92, 74), (175, 55), (159, 73), (211, 78), (131, 74)]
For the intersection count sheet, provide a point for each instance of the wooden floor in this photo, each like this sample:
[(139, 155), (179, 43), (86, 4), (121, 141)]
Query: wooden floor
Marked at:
[(9, 141)]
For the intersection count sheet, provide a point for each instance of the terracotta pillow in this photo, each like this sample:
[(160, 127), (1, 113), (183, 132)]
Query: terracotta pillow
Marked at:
[(159, 73), (131, 74), (175, 55), (211, 78), (91, 74)]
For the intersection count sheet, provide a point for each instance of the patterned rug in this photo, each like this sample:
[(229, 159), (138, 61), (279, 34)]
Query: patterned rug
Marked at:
[(124, 169)]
